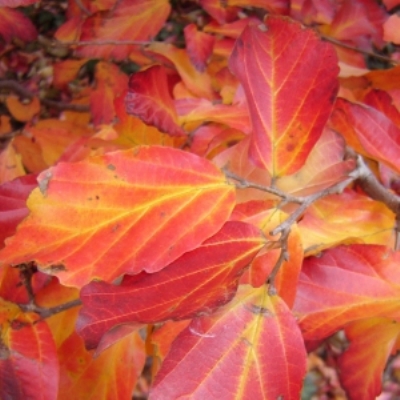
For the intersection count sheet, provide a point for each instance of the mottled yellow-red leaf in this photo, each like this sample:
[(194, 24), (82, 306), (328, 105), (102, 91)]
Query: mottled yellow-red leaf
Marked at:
[(66, 71), (119, 213), (251, 349), (110, 376), (138, 20), (324, 167), (23, 111), (360, 370), (201, 280), (272, 63), (149, 99), (14, 24), (10, 164), (346, 284), (28, 354), (346, 218)]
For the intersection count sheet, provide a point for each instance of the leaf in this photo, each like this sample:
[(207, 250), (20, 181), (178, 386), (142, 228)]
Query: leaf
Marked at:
[(199, 281), (28, 354), (134, 21), (361, 371), (21, 111), (390, 28), (199, 46), (347, 284), (13, 210), (104, 217), (368, 131), (14, 24), (149, 99), (10, 164), (272, 63), (366, 221), (16, 3), (251, 349), (110, 376), (199, 83), (281, 7), (324, 167)]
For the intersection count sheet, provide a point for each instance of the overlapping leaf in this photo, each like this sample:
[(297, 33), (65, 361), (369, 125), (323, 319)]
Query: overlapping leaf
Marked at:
[(150, 100), (28, 354), (272, 63), (368, 131), (366, 221), (346, 284), (119, 213), (251, 349), (13, 208), (199, 281), (14, 24), (360, 370)]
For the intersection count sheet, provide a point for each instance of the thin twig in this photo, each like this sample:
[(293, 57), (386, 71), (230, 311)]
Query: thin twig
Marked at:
[(83, 8), (356, 49), (105, 43), (44, 312), (17, 88), (26, 273), (283, 256)]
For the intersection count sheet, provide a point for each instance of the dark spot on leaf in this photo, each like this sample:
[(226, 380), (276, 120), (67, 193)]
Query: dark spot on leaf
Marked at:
[(17, 325), (115, 227), (290, 147), (57, 267), (258, 310), (111, 167), (97, 197)]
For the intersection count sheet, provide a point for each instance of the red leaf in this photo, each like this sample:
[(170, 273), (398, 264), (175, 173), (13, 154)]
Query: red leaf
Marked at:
[(251, 349), (272, 64), (199, 281), (347, 284), (105, 216), (14, 24), (368, 131), (28, 355), (149, 99), (13, 210)]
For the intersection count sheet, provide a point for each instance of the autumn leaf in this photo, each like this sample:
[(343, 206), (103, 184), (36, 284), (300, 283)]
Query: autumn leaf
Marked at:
[(101, 218), (185, 288), (347, 284), (270, 62), (23, 111), (112, 375), (13, 210), (149, 99), (361, 371), (254, 340), (10, 164), (14, 24), (134, 21), (28, 354)]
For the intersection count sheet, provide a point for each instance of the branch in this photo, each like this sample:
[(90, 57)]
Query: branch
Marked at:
[(105, 43), (17, 88), (44, 312), (356, 49)]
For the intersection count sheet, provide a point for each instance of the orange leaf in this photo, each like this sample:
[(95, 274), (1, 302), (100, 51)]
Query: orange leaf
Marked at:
[(182, 290), (368, 131), (66, 71), (138, 20), (391, 29), (31, 153), (112, 375), (366, 221), (104, 217), (28, 354), (149, 99), (10, 164), (14, 24), (272, 63), (252, 348), (360, 370), (197, 82), (346, 284), (21, 111)]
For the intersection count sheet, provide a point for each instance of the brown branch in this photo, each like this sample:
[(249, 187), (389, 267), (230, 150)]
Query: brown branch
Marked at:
[(105, 43), (356, 49), (83, 8), (44, 312), (17, 88)]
